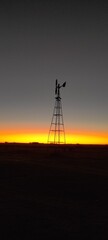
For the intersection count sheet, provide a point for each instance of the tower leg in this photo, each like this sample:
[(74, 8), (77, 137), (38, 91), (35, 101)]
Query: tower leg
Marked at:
[(57, 132)]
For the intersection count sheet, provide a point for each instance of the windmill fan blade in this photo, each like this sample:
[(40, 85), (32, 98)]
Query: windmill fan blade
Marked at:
[(64, 84), (55, 90), (56, 86)]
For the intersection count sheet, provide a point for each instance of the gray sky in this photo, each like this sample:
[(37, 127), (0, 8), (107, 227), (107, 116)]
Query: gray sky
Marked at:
[(44, 40)]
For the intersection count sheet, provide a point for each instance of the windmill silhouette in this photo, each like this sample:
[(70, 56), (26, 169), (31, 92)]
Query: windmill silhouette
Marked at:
[(57, 132)]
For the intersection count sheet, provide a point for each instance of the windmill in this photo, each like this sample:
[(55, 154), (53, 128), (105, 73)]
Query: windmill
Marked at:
[(57, 132)]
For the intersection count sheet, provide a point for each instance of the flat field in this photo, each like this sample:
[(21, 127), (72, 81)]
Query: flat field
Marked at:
[(58, 192)]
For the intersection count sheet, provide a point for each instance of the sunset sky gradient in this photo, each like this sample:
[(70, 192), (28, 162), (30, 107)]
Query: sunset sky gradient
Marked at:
[(44, 40)]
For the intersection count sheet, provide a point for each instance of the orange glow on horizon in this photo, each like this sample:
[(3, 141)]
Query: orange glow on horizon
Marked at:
[(41, 136)]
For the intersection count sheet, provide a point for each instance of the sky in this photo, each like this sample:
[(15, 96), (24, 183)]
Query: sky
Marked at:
[(41, 41)]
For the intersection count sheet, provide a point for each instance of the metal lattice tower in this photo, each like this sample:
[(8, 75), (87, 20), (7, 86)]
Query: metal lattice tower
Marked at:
[(57, 132)]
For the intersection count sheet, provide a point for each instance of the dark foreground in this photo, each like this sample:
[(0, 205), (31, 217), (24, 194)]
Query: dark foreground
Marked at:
[(47, 192)]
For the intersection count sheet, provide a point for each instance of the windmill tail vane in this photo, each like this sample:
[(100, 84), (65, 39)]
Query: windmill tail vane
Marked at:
[(57, 132)]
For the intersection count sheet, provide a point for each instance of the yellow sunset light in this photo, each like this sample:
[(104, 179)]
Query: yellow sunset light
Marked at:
[(41, 136)]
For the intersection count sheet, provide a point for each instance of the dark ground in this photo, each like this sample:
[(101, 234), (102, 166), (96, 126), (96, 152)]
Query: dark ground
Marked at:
[(47, 192)]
